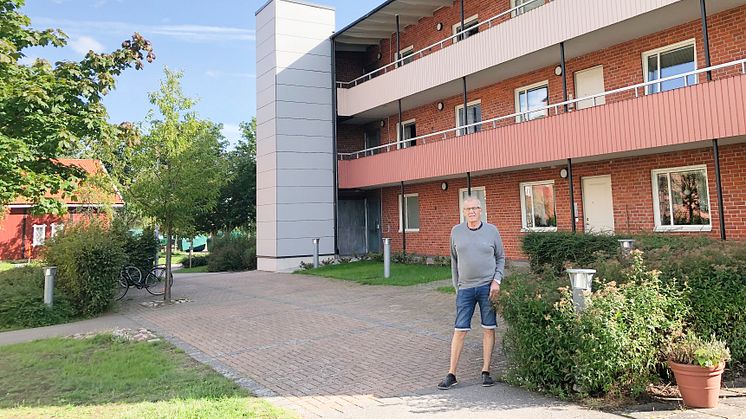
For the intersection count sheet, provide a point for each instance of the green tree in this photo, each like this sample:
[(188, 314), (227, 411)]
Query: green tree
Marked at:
[(50, 111), (175, 171)]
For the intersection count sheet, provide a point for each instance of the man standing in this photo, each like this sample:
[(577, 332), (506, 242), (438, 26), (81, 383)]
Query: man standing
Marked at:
[(477, 267)]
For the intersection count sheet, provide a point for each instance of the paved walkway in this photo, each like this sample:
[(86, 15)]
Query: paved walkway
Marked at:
[(328, 348)]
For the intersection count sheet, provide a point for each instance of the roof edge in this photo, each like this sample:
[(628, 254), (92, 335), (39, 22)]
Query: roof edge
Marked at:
[(367, 15), (303, 2)]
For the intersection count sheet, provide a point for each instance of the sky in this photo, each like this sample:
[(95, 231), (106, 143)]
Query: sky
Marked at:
[(212, 42)]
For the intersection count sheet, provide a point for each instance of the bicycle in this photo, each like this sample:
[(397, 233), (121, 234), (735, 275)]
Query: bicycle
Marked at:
[(131, 276)]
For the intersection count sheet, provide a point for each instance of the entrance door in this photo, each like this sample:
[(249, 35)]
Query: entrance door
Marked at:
[(352, 234), (598, 205), (589, 82), (373, 209)]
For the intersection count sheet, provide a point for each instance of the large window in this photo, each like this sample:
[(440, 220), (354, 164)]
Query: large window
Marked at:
[(537, 206), (406, 55), (669, 61), (409, 131), (478, 193), (535, 96), (473, 115), (410, 216), (471, 25), (526, 8), (681, 200), (40, 235)]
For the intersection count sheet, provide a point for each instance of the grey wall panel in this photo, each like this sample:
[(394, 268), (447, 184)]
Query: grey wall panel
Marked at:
[(311, 78), (303, 143), (312, 177), (266, 145), (303, 45), (304, 194), (299, 61), (312, 211), (317, 111), (290, 161), (304, 246), (303, 94), (305, 127), (303, 229)]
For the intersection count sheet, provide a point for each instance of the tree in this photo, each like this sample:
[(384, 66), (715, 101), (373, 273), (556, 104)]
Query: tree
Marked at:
[(175, 171), (49, 111), (236, 206)]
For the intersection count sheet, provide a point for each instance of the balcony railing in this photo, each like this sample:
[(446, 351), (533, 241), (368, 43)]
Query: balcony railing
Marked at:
[(549, 110), (515, 11)]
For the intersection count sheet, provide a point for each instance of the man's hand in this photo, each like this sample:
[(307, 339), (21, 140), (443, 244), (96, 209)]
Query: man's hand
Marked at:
[(494, 291)]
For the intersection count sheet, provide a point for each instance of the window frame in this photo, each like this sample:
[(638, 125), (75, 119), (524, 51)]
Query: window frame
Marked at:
[(401, 212), (476, 128), (34, 241), (55, 228), (515, 13), (519, 118), (461, 199), (658, 51), (522, 189), (402, 57), (656, 205), (456, 26), (404, 124)]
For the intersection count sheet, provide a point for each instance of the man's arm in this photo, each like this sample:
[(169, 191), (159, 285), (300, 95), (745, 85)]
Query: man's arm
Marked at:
[(499, 259), (454, 264)]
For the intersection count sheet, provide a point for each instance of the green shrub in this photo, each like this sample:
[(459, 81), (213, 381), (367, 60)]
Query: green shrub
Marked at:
[(554, 251), (89, 257), (232, 253), (22, 300), (616, 344), (199, 260), (139, 249)]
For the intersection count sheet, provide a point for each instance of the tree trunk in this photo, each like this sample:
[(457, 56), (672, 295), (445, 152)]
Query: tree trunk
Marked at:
[(169, 249), (191, 250)]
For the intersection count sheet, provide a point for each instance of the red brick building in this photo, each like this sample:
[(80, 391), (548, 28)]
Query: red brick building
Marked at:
[(23, 234), (618, 116)]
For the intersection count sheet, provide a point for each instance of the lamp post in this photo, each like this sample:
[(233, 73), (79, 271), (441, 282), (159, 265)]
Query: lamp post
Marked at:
[(315, 253), (386, 258), (627, 245), (50, 272), (581, 281)]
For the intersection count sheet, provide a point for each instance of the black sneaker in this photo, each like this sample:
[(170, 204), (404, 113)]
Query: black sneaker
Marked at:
[(487, 381), (448, 382)]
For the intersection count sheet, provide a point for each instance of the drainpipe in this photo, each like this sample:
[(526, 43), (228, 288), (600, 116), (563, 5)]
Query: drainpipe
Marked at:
[(398, 43), (403, 221), (400, 130), (705, 35), (466, 116), (572, 195), (719, 187), (468, 183), (564, 74), (334, 147), (462, 22)]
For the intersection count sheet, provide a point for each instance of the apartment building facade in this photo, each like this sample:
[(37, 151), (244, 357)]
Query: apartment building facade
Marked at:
[(581, 115)]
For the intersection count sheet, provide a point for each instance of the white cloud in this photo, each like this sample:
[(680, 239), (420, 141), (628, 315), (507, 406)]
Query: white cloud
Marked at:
[(232, 133), (186, 32), (83, 44)]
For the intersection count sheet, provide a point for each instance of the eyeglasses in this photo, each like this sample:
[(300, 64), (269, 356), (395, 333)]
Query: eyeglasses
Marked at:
[(468, 209)]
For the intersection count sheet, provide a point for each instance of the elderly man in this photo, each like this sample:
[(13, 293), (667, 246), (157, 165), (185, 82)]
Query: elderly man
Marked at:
[(477, 267)]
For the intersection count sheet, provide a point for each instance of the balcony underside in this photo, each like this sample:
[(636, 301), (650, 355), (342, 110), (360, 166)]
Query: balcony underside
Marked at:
[(677, 118)]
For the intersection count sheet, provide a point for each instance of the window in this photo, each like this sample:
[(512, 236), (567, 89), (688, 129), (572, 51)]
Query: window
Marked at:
[(537, 205), (411, 212), (478, 193), (681, 200), (407, 55), (521, 10), (535, 96), (473, 115), (410, 131), (471, 25), (670, 61), (56, 228), (40, 234)]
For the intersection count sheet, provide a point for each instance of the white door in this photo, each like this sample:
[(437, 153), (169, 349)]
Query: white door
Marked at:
[(589, 82), (598, 207)]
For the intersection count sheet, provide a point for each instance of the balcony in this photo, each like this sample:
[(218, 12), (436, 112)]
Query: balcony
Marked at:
[(629, 121), (508, 47)]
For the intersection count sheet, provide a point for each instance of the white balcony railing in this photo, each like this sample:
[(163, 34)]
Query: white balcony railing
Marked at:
[(515, 11), (558, 108)]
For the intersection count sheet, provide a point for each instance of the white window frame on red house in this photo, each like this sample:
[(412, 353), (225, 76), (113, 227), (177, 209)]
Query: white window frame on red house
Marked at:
[(532, 6), (406, 124), (663, 50), (522, 186), (469, 22), (56, 228), (406, 55), (462, 194), (656, 204), (39, 235), (406, 196), (531, 115), (470, 105)]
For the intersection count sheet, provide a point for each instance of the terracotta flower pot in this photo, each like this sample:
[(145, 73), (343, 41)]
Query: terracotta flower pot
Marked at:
[(699, 386)]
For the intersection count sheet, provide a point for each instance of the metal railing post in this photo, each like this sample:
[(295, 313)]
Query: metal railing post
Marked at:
[(315, 253), (386, 257), (50, 272)]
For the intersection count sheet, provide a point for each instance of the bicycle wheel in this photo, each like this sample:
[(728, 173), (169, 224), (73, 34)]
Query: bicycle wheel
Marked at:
[(128, 276), (155, 281)]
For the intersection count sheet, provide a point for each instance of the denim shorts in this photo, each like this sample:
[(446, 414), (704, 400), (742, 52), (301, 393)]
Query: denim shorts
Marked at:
[(466, 301)]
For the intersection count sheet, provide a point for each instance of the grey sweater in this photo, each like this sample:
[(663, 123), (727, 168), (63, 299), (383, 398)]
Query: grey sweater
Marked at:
[(477, 256)]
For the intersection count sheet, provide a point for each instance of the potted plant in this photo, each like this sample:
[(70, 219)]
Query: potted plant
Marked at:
[(698, 367)]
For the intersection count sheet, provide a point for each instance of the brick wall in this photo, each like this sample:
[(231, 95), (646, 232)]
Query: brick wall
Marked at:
[(631, 188)]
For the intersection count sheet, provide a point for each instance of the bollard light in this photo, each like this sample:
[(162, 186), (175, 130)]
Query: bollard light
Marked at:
[(581, 281), (315, 253), (627, 245), (386, 258), (50, 272)]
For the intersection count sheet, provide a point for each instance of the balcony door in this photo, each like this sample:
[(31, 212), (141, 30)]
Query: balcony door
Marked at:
[(587, 83), (598, 204)]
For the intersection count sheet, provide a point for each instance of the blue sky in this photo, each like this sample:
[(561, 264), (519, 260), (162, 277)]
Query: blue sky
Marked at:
[(212, 42)]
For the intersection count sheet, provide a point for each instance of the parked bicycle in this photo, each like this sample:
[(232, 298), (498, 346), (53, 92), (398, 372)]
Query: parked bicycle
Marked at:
[(131, 276)]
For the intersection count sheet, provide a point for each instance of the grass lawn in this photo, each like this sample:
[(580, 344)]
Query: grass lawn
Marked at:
[(371, 273), (196, 269), (106, 377)]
